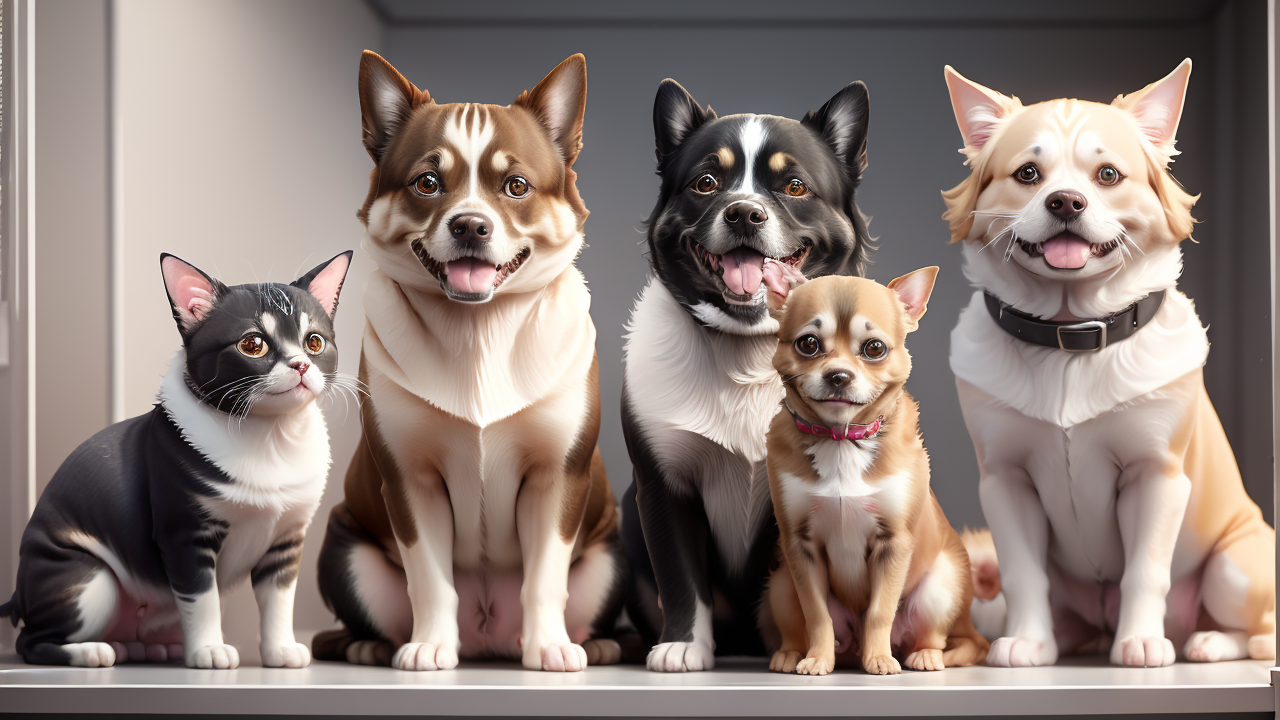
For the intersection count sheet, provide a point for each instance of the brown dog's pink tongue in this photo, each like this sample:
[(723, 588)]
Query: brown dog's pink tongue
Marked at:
[(470, 275), (1066, 251), (743, 270)]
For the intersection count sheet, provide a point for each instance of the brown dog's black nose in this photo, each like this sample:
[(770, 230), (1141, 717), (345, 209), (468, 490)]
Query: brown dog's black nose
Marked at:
[(1065, 204), (838, 378), (471, 228), (745, 216)]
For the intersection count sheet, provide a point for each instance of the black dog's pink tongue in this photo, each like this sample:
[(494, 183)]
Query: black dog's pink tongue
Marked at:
[(743, 270)]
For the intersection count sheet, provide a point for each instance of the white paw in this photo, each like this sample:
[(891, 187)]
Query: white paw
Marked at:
[(1142, 652), (91, 654), (1212, 646), (602, 651), (369, 652), (290, 655), (681, 657), (425, 656), (555, 657), (1021, 652), (220, 657)]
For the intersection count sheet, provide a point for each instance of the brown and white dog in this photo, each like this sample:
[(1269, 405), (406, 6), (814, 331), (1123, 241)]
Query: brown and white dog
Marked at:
[(478, 518), (1108, 483), (871, 563)]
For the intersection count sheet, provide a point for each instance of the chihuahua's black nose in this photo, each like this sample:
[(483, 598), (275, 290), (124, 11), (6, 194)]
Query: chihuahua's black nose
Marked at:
[(745, 216), (838, 378), (471, 228), (1065, 204)]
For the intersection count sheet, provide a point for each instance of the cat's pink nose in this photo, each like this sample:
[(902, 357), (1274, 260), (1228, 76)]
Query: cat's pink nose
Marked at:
[(302, 366)]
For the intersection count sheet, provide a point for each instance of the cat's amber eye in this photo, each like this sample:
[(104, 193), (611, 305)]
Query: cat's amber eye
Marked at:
[(1028, 174), (427, 184), (252, 346), (706, 184), (796, 188), (315, 344), (1108, 175), (874, 349), (517, 187), (808, 345)]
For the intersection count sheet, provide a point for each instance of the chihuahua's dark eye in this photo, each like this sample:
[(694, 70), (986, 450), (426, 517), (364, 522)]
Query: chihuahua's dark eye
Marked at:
[(1028, 174), (706, 184), (427, 184), (315, 344), (252, 346), (796, 188), (517, 187), (808, 345), (1109, 175), (874, 349)]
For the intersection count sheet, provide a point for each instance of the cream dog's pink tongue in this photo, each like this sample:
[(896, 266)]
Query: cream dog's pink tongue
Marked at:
[(1066, 251), (470, 275), (743, 270)]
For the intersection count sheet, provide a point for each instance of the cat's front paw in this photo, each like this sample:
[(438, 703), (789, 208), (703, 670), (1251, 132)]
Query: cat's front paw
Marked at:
[(290, 655), (425, 656), (219, 657)]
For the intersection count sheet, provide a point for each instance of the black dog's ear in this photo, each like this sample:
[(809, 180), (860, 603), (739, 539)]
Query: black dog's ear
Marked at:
[(842, 122), (675, 115)]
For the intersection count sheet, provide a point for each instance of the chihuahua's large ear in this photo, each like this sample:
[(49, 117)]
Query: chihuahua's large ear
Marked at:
[(979, 110), (913, 290), (192, 293), (560, 102), (324, 282), (1157, 108), (675, 116), (842, 123), (386, 100)]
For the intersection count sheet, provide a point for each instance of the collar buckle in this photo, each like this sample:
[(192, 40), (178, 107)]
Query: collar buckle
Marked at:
[(1080, 329)]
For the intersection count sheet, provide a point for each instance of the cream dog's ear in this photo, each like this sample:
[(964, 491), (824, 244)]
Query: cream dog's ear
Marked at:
[(913, 290), (979, 110), (1157, 108)]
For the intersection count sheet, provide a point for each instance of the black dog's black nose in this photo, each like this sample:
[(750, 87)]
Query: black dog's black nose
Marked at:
[(745, 216), (471, 227), (1066, 204), (838, 378)]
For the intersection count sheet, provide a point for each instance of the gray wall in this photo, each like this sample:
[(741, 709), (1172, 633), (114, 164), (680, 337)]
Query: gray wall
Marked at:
[(783, 60)]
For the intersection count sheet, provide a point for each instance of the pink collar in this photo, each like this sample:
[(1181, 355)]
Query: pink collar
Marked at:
[(852, 433)]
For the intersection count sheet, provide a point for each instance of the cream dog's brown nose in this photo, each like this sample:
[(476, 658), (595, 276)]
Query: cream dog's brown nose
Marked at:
[(1065, 204), (838, 378), (471, 227)]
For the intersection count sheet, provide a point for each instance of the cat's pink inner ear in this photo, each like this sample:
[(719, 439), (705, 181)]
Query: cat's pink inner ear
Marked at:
[(328, 283), (189, 290)]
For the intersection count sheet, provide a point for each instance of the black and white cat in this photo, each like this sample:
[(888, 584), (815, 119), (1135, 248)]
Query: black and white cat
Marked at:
[(147, 522)]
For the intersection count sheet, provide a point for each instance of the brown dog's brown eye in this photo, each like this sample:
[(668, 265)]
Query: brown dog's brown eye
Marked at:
[(1108, 175), (252, 346), (808, 345), (874, 349), (706, 184), (315, 344), (795, 188), (517, 187), (1028, 174), (427, 184)]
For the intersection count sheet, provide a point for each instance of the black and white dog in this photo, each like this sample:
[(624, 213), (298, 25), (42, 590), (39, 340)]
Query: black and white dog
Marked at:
[(700, 389)]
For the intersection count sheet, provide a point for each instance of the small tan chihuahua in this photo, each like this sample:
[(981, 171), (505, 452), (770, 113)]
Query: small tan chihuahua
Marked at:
[(871, 563)]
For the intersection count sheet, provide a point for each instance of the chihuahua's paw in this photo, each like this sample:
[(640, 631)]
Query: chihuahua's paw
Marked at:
[(369, 652), (1142, 652), (216, 657), (289, 655), (681, 657), (821, 664), (602, 651), (556, 657), (1263, 647), (927, 659), (881, 665), (425, 656), (785, 661), (91, 654), (1021, 652)]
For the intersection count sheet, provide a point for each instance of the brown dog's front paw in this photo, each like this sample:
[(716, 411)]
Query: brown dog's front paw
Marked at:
[(819, 664), (785, 661), (927, 659), (881, 665)]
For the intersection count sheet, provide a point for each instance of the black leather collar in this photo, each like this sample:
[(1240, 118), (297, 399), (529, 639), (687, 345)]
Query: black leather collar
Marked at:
[(1078, 336)]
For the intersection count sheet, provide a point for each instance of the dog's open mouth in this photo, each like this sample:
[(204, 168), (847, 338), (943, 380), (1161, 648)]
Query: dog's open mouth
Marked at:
[(1067, 251), (742, 273), (469, 279)]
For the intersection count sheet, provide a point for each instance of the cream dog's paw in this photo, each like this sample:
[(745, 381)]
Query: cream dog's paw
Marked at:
[(820, 664), (881, 665), (785, 661), (927, 659)]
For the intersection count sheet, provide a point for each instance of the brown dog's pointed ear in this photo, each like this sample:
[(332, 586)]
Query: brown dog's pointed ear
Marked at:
[(386, 99), (979, 110), (1157, 108), (913, 290), (560, 102)]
